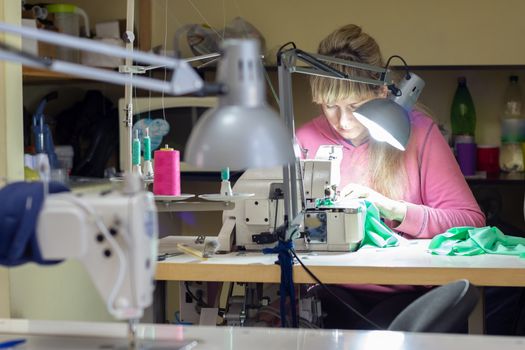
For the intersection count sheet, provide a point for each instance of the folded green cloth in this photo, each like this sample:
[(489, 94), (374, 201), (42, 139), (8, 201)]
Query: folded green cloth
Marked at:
[(377, 233), (476, 241)]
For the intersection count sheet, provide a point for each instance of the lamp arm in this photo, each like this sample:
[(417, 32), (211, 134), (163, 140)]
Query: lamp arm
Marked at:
[(185, 79), (309, 58), (317, 66)]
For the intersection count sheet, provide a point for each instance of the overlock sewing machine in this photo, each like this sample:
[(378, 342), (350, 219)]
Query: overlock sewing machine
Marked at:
[(327, 225)]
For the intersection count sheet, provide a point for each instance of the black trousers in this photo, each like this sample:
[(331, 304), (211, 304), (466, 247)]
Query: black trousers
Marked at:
[(504, 308), (380, 308)]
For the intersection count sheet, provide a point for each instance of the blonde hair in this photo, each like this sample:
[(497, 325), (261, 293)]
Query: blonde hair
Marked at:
[(386, 171)]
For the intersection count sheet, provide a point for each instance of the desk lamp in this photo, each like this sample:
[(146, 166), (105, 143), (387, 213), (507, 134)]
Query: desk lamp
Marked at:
[(243, 131), (387, 119)]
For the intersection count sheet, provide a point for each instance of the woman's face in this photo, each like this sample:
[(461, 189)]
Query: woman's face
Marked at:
[(341, 116)]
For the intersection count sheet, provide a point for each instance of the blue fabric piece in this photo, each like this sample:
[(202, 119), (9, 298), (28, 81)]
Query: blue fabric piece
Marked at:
[(21, 203), (286, 288)]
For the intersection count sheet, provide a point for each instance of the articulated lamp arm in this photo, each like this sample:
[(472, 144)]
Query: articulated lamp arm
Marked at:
[(185, 80), (386, 119)]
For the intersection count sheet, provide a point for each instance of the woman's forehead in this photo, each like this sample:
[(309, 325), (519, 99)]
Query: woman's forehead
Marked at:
[(350, 100)]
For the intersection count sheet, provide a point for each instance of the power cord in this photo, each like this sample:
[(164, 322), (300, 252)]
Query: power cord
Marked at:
[(392, 87), (281, 49), (350, 307), (275, 313), (199, 301)]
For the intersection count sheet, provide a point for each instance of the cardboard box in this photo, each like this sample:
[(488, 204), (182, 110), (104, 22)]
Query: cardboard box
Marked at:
[(41, 49), (110, 29)]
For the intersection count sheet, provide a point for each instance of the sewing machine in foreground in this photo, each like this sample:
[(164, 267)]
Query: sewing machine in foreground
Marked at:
[(326, 225)]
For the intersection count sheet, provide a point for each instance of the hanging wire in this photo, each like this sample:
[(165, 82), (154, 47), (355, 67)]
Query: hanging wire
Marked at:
[(238, 7), (137, 42), (270, 85), (149, 100), (165, 49), (223, 17), (264, 68), (205, 20)]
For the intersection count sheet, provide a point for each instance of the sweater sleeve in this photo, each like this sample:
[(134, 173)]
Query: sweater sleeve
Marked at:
[(446, 198)]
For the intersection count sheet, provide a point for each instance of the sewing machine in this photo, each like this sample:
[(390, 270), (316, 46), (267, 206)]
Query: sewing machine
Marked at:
[(114, 235), (326, 225)]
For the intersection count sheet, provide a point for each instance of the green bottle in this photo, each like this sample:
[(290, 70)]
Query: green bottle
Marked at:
[(462, 111)]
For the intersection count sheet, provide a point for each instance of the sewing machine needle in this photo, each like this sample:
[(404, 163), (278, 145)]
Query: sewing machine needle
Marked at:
[(132, 329)]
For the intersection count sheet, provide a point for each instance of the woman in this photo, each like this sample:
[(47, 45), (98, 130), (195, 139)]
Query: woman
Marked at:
[(420, 192)]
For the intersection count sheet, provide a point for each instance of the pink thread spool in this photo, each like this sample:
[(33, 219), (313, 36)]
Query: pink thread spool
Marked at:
[(166, 175)]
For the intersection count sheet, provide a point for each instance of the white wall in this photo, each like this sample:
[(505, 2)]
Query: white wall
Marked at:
[(11, 144), (57, 292), (444, 32)]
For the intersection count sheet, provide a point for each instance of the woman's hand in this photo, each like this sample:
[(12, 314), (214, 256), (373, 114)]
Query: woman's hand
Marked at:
[(388, 208)]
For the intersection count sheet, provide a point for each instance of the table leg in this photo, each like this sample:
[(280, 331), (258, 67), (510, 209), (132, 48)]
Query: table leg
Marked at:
[(476, 320), (159, 302)]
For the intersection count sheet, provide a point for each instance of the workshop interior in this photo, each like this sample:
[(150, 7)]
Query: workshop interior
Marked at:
[(205, 174)]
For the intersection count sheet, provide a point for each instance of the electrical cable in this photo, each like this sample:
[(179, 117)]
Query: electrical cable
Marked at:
[(199, 301), (286, 287), (272, 88), (179, 321), (204, 19), (165, 54), (405, 65), (274, 312), (392, 87), (350, 307), (280, 51), (276, 210)]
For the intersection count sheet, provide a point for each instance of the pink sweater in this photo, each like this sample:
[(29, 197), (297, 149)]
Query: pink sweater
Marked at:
[(437, 194)]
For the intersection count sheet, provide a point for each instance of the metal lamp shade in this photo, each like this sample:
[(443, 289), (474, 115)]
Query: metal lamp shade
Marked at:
[(239, 138), (242, 132), (386, 121)]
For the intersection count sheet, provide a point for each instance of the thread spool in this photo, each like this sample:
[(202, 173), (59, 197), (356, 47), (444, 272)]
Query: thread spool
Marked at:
[(166, 173)]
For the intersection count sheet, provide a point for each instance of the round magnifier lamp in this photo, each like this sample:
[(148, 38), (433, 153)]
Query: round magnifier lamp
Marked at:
[(386, 121), (243, 131)]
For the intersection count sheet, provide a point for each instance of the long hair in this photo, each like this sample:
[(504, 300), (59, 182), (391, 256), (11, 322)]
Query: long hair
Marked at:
[(386, 168)]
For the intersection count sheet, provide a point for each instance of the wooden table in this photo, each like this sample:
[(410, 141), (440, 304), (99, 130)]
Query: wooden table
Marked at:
[(408, 264)]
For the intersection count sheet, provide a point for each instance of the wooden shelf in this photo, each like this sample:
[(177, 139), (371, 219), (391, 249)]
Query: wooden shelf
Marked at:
[(42, 76), (33, 74)]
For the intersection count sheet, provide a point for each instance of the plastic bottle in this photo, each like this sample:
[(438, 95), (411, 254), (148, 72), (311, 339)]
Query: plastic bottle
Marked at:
[(462, 111), (512, 128), (513, 99), (67, 20)]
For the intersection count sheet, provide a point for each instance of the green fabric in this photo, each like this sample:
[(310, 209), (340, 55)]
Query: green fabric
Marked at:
[(475, 241), (377, 233), (324, 202)]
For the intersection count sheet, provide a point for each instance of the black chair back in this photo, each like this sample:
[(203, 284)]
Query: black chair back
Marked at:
[(443, 309)]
